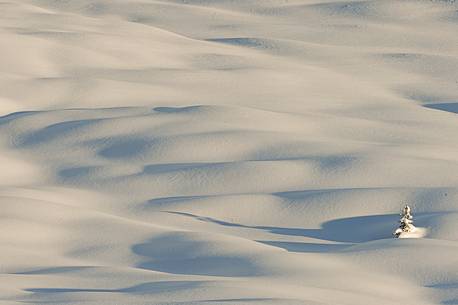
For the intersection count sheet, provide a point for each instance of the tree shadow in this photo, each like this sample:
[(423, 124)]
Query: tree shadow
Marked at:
[(449, 107), (348, 230)]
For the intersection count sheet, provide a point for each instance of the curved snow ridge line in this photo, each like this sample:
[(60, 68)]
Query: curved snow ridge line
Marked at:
[(211, 112), (97, 247), (144, 13), (120, 233), (213, 250), (256, 43), (142, 148), (125, 9), (94, 134), (58, 201)]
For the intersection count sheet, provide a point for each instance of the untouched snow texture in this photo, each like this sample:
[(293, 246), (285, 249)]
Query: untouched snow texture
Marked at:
[(228, 152)]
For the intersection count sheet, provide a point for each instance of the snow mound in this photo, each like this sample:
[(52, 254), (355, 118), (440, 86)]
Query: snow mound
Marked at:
[(415, 233)]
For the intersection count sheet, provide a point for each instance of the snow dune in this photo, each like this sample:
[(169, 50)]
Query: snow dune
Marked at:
[(228, 152)]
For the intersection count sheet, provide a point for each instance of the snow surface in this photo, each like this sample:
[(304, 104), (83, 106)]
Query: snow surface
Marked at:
[(414, 233), (228, 152), (417, 233)]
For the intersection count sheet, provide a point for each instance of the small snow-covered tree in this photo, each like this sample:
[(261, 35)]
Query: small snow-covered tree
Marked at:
[(405, 223)]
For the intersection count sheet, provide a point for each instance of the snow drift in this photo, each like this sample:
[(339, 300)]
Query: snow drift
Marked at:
[(228, 152)]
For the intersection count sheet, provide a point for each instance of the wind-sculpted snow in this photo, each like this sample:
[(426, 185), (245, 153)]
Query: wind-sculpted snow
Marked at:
[(215, 192), (228, 152)]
